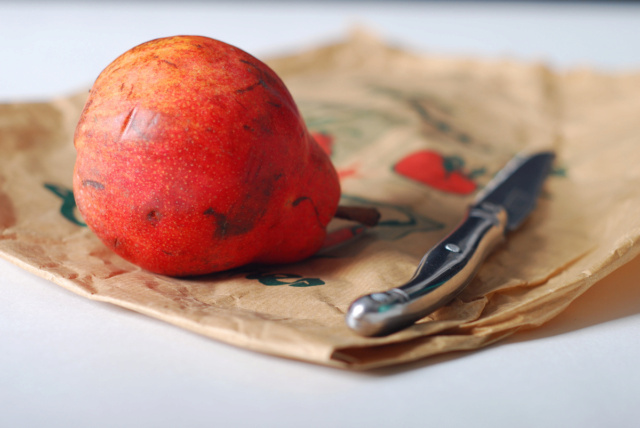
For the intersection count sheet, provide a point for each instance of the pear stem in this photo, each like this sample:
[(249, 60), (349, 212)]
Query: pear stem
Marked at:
[(364, 215)]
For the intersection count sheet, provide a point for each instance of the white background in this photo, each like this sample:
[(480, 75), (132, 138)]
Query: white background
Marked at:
[(66, 361)]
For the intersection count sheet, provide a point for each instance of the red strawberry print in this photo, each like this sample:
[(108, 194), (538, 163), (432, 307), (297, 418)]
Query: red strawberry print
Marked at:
[(324, 140), (434, 170)]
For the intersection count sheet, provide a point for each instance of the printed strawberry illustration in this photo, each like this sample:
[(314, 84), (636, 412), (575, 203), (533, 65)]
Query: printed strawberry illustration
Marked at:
[(324, 140), (443, 173)]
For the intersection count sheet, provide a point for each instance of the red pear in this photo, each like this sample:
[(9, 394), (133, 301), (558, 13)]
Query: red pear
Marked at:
[(193, 158)]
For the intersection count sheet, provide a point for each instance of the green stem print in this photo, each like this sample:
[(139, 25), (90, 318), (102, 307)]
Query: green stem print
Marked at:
[(68, 207), (273, 279)]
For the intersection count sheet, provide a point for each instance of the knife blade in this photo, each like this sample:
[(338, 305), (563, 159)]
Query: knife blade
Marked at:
[(450, 266)]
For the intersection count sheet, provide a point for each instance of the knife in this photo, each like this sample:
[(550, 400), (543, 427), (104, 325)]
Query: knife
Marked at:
[(449, 266)]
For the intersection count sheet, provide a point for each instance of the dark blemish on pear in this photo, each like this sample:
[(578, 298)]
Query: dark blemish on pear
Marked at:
[(153, 217), (264, 123), (224, 228), (275, 104), (126, 122), (248, 88), (267, 191), (244, 61), (241, 105), (170, 63), (94, 184), (313, 205), (222, 225), (139, 124), (300, 199), (261, 78), (248, 128)]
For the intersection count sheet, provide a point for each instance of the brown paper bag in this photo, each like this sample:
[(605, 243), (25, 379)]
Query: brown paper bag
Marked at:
[(414, 136)]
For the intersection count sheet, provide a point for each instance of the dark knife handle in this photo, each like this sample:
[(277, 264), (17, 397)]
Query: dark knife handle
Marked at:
[(443, 273)]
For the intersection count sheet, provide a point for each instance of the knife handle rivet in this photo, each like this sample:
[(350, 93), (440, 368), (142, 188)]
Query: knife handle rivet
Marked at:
[(452, 247)]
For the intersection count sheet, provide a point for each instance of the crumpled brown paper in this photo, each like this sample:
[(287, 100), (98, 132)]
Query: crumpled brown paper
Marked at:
[(386, 116)]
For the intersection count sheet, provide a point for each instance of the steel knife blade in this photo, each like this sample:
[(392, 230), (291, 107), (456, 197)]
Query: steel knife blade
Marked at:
[(450, 266)]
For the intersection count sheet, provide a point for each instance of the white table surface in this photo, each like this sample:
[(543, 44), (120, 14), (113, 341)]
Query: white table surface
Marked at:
[(66, 361)]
